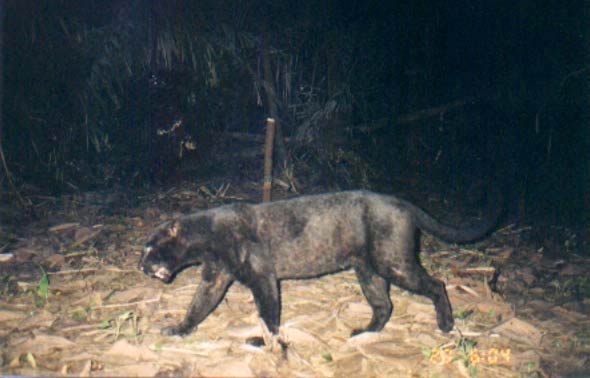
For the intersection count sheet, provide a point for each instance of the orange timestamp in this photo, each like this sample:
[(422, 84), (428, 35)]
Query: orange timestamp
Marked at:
[(475, 356)]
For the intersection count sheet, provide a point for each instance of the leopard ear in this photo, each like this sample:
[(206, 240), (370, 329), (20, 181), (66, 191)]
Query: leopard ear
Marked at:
[(174, 229)]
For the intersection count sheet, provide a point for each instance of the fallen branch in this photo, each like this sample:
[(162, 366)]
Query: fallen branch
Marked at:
[(89, 270), (76, 254), (413, 117), (84, 239), (63, 227), (160, 348), (117, 305), (80, 327), (477, 270), (463, 288), (432, 112)]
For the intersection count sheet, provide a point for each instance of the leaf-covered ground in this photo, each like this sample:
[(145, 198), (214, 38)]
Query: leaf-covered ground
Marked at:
[(73, 302)]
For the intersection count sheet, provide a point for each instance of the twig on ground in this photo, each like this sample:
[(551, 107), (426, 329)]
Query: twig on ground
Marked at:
[(90, 270), (117, 305)]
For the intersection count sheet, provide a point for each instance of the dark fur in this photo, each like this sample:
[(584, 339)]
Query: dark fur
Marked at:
[(305, 237)]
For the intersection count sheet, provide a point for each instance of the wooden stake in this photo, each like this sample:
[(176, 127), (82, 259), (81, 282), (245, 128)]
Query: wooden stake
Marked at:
[(268, 148)]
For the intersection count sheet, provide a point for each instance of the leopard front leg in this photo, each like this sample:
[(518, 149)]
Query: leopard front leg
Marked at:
[(210, 292)]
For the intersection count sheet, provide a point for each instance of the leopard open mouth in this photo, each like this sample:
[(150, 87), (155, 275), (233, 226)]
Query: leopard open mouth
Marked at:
[(163, 273)]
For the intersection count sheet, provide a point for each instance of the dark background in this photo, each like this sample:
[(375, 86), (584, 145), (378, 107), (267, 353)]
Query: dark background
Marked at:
[(436, 95)]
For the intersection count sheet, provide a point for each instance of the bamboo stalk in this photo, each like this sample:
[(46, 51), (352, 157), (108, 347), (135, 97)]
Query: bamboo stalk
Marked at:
[(268, 148)]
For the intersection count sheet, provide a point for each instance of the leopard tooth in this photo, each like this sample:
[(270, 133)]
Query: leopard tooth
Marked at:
[(162, 273)]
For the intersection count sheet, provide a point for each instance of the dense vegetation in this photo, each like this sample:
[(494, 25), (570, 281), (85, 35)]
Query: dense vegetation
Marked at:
[(367, 93)]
